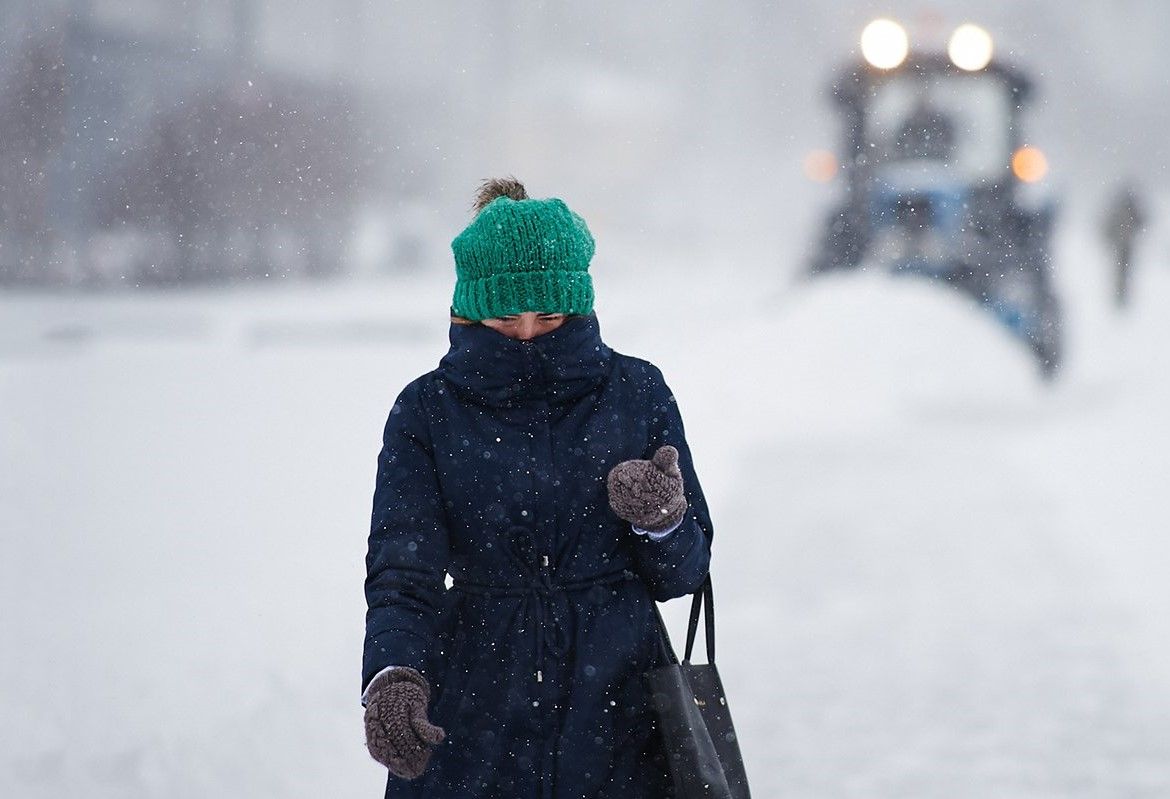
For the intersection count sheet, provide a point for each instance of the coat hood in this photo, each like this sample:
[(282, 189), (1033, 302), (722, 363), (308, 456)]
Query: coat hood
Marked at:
[(559, 366)]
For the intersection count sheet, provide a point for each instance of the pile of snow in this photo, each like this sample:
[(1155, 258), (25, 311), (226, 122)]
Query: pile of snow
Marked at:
[(870, 347), (841, 355)]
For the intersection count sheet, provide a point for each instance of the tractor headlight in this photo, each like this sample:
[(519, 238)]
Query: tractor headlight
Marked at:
[(970, 48), (884, 43)]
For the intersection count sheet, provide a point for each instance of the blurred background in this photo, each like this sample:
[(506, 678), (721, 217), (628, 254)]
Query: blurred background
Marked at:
[(935, 457)]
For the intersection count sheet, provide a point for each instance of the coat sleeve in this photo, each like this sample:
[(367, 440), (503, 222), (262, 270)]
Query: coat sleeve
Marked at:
[(656, 534), (406, 563), (675, 565)]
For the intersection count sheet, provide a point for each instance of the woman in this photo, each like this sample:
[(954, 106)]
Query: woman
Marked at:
[(550, 477)]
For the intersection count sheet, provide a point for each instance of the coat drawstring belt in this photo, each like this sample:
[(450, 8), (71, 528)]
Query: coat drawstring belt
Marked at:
[(543, 594)]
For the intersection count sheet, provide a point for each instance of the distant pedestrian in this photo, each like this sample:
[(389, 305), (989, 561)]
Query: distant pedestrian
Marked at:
[(1123, 222)]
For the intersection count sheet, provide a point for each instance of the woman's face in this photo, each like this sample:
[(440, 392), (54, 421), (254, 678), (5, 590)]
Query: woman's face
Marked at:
[(527, 325)]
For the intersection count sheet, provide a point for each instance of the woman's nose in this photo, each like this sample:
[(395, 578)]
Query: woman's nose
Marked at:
[(527, 329)]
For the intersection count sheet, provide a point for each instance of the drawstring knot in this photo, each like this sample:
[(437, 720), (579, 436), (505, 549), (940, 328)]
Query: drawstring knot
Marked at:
[(547, 601)]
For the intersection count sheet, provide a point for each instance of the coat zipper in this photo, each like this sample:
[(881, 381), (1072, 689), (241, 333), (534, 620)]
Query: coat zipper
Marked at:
[(544, 561)]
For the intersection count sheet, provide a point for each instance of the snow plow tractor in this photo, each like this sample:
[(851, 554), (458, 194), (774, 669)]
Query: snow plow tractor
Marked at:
[(935, 167)]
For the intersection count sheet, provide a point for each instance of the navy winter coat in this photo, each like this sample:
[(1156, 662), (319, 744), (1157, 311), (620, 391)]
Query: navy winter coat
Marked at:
[(493, 470)]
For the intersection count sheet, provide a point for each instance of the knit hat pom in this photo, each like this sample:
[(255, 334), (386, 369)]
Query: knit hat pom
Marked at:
[(493, 188)]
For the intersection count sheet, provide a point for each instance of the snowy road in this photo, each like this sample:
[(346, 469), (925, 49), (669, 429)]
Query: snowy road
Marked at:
[(961, 645), (934, 577)]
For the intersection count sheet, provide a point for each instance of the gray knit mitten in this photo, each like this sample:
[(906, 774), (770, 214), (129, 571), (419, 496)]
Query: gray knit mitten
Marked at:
[(648, 494), (398, 734)]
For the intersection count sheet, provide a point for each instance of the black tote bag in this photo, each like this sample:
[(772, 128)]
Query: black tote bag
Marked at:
[(702, 750)]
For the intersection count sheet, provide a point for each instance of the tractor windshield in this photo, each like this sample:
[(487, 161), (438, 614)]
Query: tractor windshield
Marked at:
[(953, 127)]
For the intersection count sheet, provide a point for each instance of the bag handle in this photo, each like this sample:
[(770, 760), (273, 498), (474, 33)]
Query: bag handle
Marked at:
[(664, 645), (705, 592)]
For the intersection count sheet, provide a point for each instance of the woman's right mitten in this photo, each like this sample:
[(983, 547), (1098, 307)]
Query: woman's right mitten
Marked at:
[(398, 733)]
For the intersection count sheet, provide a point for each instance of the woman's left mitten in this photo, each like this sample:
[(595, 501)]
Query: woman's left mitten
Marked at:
[(398, 733), (648, 493)]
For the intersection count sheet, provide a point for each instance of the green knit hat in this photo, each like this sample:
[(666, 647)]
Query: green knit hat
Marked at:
[(523, 255)]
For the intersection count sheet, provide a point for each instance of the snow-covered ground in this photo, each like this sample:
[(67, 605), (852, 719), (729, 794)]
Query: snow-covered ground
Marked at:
[(936, 577)]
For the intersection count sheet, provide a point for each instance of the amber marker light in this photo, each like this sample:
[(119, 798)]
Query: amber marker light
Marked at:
[(1029, 164), (820, 165)]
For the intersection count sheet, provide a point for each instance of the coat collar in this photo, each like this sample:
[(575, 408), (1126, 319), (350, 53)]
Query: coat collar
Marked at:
[(558, 366)]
